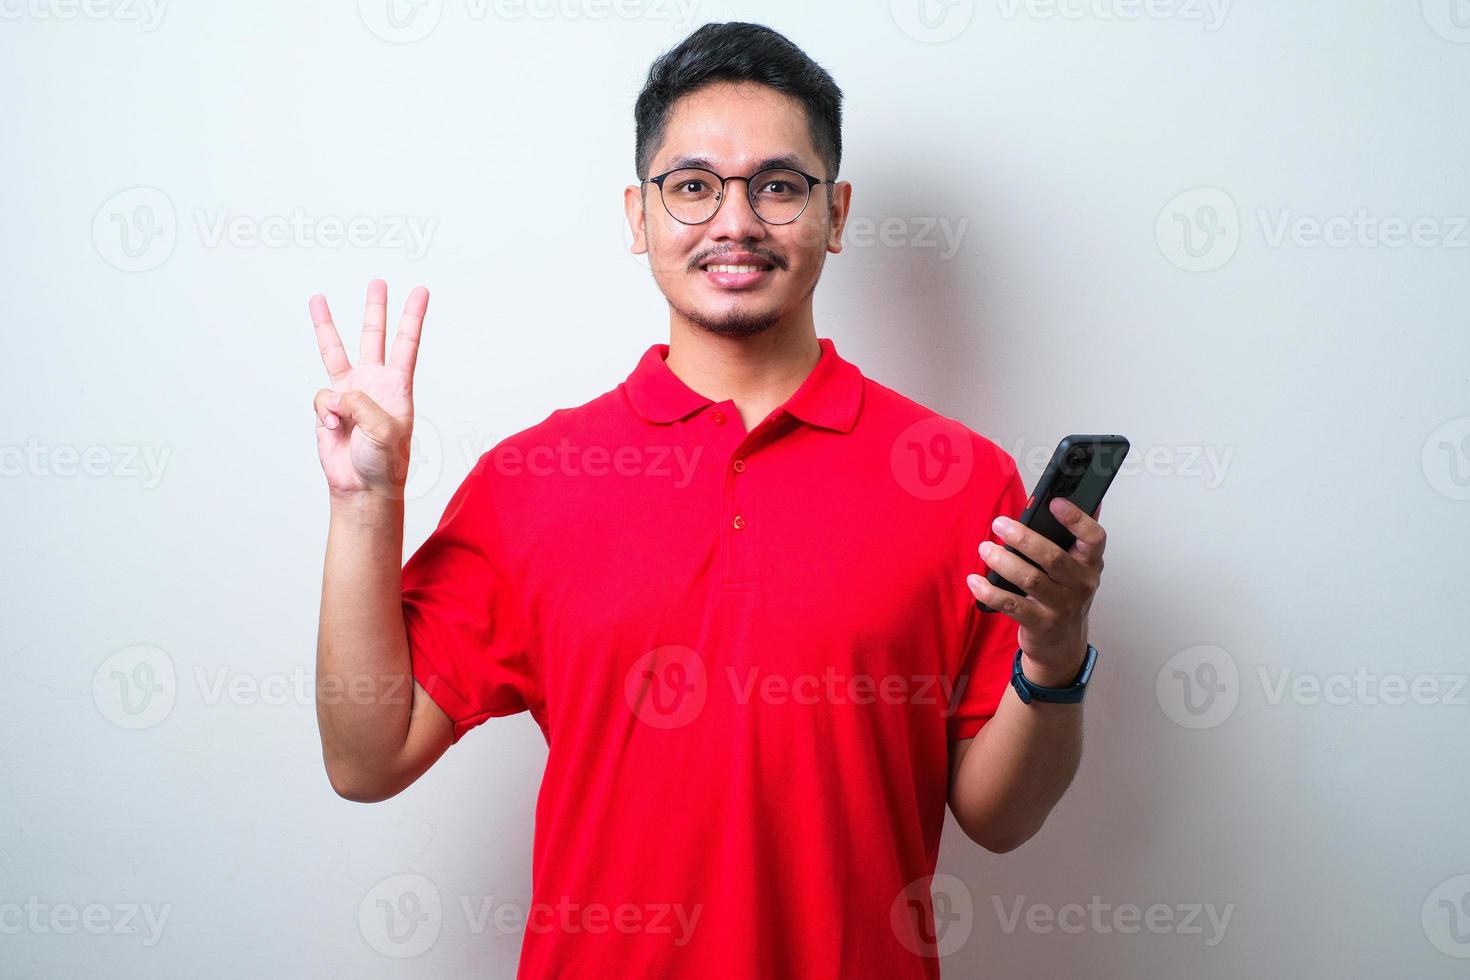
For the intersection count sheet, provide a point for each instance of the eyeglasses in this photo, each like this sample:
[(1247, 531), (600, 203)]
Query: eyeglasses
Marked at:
[(692, 195)]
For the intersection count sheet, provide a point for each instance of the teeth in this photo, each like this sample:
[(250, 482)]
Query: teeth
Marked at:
[(734, 268)]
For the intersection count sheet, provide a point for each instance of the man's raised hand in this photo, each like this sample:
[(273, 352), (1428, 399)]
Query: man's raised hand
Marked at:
[(365, 419)]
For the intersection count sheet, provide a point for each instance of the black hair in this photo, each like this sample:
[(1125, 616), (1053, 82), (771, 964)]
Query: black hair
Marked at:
[(737, 52)]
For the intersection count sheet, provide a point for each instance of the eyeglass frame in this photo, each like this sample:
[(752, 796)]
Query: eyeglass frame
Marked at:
[(811, 183)]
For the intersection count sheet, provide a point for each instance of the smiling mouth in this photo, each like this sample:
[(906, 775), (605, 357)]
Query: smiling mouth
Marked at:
[(722, 267)]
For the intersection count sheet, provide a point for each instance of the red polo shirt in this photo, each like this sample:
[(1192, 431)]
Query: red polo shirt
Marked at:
[(748, 652)]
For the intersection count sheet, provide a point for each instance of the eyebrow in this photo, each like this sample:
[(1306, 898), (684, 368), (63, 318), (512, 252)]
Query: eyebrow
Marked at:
[(786, 162)]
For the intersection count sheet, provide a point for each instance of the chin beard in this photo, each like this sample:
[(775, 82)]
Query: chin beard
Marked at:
[(736, 323)]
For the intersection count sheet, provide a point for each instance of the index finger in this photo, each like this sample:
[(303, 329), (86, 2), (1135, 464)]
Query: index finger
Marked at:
[(334, 356)]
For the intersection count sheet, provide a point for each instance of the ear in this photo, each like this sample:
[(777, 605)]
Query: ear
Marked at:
[(837, 214), (633, 208)]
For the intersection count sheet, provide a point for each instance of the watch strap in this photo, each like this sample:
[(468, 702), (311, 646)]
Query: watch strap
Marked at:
[(1071, 694)]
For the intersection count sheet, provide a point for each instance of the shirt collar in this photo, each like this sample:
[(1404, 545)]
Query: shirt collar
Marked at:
[(829, 397)]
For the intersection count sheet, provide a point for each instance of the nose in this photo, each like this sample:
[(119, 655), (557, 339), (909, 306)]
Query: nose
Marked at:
[(734, 217)]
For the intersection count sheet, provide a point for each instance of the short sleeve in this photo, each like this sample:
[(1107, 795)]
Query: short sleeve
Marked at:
[(990, 637), (466, 635)]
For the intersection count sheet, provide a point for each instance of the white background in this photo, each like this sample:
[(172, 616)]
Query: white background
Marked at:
[(1295, 509)]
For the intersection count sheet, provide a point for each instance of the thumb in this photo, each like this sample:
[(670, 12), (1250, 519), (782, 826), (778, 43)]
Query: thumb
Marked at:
[(362, 412)]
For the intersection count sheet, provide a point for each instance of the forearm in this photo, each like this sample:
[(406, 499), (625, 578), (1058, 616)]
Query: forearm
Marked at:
[(1017, 767), (364, 688)]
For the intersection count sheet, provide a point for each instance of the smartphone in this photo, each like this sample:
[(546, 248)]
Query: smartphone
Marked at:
[(1081, 470)]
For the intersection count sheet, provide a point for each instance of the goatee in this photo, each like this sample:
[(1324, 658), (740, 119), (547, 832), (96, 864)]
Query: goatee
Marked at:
[(738, 322)]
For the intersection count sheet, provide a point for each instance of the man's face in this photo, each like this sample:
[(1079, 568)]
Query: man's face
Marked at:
[(737, 128)]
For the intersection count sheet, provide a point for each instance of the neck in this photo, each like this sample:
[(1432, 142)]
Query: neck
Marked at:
[(757, 373)]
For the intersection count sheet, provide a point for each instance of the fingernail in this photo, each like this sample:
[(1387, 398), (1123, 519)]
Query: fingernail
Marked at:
[(331, 421), (1001, 525)]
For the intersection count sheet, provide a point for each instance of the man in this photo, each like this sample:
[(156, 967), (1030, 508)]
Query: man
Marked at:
[(732, 590)]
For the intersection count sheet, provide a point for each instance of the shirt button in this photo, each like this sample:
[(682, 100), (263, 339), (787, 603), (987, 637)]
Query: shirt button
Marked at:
[(739, 522), (738, 466), (719, 418)]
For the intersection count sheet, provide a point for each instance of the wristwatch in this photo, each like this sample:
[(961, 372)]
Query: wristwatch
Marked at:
[(1071, 694)]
